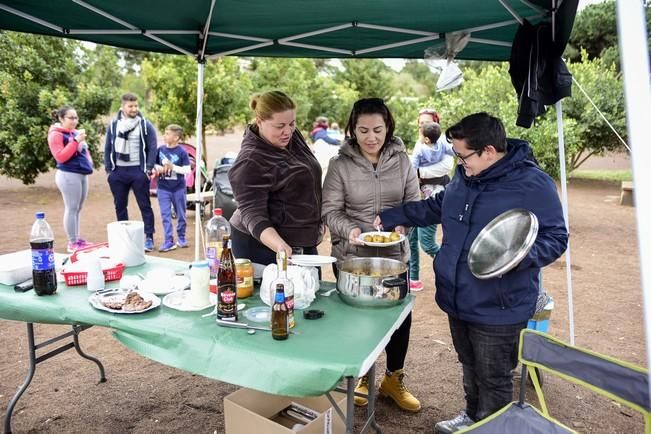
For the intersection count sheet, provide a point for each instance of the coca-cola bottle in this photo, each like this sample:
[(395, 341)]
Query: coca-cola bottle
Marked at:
[(281, 278), (227, 284), (41, 240)]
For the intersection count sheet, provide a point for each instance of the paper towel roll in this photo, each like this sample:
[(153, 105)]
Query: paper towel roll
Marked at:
[(127, 242)]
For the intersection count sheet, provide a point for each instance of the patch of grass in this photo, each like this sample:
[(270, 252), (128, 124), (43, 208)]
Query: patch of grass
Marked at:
[(603, 175)]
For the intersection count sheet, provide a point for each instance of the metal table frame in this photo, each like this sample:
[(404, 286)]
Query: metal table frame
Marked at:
[(34, 360)]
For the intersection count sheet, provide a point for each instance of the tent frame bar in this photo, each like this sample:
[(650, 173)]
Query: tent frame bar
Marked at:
[(206, 28), (32, 18)]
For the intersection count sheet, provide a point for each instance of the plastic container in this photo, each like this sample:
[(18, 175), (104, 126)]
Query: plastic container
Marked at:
[(244, 274), (41, 240), (215, 230), (199, 278)]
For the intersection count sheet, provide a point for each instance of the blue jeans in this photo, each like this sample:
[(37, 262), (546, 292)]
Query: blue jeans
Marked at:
[(427, 238), (167, 200), (123, 179), (487, 354)]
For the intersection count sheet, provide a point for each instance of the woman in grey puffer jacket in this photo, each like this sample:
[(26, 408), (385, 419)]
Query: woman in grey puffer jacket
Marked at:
[(371, 173)]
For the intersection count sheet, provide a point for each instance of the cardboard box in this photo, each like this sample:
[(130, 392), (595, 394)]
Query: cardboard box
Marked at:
[(248, 411)]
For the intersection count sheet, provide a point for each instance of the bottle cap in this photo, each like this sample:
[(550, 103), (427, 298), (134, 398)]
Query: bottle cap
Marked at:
[(217, 211), (40, 215), (313, 314)]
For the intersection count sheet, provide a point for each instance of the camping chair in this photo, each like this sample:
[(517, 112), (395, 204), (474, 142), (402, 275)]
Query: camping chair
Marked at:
[(617, 380)]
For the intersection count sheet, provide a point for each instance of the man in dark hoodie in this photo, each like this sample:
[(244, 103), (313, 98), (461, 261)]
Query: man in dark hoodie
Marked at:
[(129, 157), (494, 174)]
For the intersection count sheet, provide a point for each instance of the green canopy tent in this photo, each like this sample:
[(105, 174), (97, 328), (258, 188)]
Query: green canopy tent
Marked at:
[(293, 28)]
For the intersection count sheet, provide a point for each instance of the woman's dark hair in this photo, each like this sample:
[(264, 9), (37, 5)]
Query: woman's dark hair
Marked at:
[(479, 130), (370, 106), (60, 113)]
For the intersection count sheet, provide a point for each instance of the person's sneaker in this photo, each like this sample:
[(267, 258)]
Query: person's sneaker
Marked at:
[(362, 387), (416, 285), (167, 246), (182, 243), (72, 247), (453, 425), (82, 244), (149, 244), (393, 386)]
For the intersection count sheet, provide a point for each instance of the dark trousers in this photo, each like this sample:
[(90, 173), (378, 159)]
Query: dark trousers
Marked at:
[(123, 179), (487, 354), (246, 246), (398, 345), (168, 200)]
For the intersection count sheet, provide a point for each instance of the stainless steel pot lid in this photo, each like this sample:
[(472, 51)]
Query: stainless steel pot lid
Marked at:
[(503, 243)]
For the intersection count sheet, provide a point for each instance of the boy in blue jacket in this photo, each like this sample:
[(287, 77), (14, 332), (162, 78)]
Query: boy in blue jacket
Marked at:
[(494, 174)]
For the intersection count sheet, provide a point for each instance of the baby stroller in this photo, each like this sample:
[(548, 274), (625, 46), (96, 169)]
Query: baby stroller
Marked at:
[(222, 191)]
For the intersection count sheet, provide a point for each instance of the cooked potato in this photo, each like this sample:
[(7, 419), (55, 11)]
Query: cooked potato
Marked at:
[(395, 236), (368, 238), (378, 239)]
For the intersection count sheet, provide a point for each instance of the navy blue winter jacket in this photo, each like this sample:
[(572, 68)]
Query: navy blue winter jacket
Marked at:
[(148, 143), (463, 209)]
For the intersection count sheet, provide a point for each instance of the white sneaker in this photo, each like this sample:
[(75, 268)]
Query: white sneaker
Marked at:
[(453, 425)]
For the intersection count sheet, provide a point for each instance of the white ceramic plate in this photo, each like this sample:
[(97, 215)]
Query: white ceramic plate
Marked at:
[(177, 283), (94, 301), (385, 234), (180, 300), (312, 260)]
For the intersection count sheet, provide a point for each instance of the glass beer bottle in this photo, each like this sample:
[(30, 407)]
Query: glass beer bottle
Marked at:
[(281, 262), (227, 284), (279, 315)]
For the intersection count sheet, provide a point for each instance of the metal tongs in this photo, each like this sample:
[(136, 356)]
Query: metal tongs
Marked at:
[(241, 325)]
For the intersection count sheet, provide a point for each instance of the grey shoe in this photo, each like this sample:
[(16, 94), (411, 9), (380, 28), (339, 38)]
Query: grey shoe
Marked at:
[(453, 425)]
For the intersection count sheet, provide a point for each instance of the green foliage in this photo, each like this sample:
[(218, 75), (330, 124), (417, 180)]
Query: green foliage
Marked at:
[(405, 114), (595, 31), (172, 83), (371, 78), (603, 175), (37, 75), (422, 83)]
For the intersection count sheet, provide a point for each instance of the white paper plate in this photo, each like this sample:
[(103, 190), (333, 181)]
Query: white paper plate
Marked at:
[(385, 234), (94, 301), (180, 300), (311, 260)]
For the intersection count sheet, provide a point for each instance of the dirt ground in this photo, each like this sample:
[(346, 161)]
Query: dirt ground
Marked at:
[(142, 396)]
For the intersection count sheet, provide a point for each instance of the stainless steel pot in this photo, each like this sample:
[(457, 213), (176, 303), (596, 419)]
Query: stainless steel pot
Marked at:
[(372, 282)]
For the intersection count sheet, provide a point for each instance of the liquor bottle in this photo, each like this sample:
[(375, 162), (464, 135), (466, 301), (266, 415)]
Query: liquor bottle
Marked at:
[(281, 262), (279, 315), (216, 228), (41, 240), (227, 284)]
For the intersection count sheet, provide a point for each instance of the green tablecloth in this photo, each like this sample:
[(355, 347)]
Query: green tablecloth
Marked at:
[(345, 342)]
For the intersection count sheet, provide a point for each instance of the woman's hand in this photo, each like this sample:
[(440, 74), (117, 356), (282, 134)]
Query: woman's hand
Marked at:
[(400, 229), (353, 235), (286, 248), (377, 223)]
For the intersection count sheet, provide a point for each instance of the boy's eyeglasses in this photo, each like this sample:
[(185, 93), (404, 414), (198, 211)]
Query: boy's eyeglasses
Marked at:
[(463, 158)]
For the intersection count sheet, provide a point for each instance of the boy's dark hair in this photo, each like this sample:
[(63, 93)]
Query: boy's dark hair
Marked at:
[(129, 97), (176, 129), (432, 131), (479, 130)]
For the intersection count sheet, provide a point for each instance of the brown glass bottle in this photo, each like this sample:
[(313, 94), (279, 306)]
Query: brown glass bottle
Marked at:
[(226, 284), (279, 315)]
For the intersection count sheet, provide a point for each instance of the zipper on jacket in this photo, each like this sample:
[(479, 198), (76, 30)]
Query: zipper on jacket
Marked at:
[(500, 293)]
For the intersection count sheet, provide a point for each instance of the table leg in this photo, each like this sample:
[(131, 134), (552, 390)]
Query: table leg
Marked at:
[(372, 395), (33, 361)]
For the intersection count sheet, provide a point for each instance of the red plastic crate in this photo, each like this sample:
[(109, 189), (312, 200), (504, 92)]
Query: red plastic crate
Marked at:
[(73, 278)]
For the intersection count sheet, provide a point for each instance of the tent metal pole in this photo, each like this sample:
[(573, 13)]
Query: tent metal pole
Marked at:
[(566, 216), (631, 27), (198, 162)]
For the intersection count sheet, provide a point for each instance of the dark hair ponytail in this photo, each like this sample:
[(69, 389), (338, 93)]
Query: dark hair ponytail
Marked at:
[(58, 114)]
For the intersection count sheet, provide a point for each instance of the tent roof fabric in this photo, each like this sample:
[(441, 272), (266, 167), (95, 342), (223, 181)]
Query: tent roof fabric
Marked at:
[(289, 28)]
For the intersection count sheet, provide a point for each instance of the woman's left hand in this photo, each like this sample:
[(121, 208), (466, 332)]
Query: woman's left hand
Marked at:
[(400, 229)]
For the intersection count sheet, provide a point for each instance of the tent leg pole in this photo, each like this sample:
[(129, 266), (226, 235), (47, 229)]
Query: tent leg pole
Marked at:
[(199, 160), (631, 27), (568, 257)]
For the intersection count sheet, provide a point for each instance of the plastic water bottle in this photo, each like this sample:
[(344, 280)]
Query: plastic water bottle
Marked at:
[(41, 240), (216, 228)]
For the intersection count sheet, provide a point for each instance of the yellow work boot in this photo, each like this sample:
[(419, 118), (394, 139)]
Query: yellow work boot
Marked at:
[(393, 386), (362, 387)]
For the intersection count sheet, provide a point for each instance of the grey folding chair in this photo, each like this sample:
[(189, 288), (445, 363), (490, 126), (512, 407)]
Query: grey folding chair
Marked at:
[(620, 381)]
